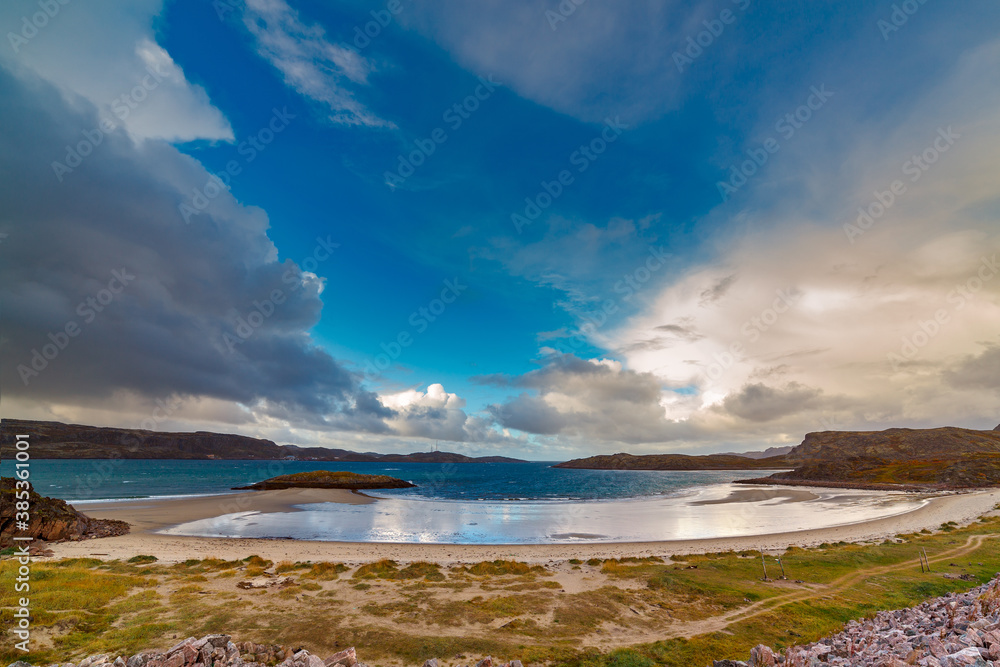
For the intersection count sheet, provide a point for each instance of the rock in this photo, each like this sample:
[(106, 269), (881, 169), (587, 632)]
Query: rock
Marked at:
[(760, 656), (175, 660), (485, 662), (19, 663), (967, 657), (516, 663), (347, 658), (433, 662), (120, 662), (190, 653), (728, 663), (178, 646)]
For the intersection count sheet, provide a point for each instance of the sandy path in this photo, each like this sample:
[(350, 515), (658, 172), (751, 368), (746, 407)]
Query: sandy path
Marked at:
[(689, 629), (961, 508)]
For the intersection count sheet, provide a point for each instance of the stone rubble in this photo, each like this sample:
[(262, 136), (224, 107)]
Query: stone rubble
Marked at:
[(221, 651), (957, 630)]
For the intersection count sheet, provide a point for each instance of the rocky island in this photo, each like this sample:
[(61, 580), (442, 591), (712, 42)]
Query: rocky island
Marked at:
[(324, 479)]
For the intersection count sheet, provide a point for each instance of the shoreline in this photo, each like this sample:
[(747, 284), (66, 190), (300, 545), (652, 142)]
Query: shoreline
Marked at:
[(961, 508)]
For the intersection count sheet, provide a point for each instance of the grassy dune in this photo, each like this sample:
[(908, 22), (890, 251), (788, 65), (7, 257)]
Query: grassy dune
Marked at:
[(620, 613)]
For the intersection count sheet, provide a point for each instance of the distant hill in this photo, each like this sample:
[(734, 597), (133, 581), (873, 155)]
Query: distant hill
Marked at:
[(55, 440), (766, 454), (674, 462)]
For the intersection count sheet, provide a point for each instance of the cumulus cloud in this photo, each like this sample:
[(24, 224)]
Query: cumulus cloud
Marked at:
[(310, 64), (583, 398), (828, 326), (106, 253), (106, 53)]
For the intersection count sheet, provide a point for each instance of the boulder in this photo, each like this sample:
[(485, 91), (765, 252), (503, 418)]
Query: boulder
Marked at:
[(967, 657), (761, 656), (348, 658)]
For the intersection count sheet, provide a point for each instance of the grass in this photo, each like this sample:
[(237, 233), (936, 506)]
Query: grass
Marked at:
[(398, 613)]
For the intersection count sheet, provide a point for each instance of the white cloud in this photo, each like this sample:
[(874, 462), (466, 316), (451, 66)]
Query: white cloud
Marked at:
[(606, 58), (103, 51), (309, 63)]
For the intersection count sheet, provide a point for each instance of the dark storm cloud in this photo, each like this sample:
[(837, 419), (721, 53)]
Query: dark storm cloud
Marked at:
[(980, 371), (178, 320), (760, 403)]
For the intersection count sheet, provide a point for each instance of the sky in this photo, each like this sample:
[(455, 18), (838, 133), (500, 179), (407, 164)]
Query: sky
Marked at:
[(533, 228)]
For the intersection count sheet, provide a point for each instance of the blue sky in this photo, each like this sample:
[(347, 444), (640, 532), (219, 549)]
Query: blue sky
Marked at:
[(696, 349)]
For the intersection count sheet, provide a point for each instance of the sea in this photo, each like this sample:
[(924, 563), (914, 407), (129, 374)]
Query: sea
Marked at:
[(474, 503), (113, 479)]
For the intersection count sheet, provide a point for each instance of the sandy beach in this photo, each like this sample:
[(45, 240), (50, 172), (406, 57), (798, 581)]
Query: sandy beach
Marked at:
[(149, 516)]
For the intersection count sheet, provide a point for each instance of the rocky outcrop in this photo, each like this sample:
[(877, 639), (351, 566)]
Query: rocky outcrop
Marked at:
[(221, 651), (49, 519), (957, 630), (324, 479)]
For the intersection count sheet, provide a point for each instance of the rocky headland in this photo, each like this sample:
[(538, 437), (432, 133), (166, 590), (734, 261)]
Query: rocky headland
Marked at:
[(49, 519), (899, 459)]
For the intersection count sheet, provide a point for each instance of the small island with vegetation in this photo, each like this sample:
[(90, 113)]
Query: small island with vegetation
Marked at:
[(325, 479)]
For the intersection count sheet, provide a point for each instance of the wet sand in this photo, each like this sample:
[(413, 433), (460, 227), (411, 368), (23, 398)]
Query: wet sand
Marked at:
[(147, 516), (760, 495)]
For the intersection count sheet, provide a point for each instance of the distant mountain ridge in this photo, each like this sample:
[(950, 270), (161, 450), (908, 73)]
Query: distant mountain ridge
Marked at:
[(55, 440)]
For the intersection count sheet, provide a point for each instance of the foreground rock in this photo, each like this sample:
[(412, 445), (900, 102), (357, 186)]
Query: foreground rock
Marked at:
[(221, 651), (957, 630), (324, 479), (49, 519)]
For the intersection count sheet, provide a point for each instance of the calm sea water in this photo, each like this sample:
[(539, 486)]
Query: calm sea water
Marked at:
[(472, 503), (76, 480)]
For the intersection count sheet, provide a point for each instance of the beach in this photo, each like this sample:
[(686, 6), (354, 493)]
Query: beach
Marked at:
[(148, 516)]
